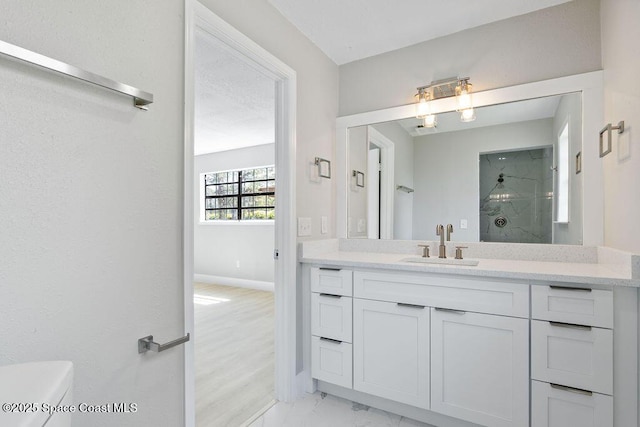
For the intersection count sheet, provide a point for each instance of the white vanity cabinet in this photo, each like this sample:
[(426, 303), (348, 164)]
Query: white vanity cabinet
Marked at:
[(571, 357), (462, 350), (391, 351), (331, 325), (480, 367)]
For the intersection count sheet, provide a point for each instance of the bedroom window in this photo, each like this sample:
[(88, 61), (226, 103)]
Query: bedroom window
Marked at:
[(246, 194)]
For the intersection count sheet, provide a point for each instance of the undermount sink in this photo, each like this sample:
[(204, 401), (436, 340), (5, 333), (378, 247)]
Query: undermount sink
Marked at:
[(446, 261)]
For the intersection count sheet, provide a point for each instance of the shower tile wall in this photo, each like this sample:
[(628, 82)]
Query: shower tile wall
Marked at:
[(522, 202)]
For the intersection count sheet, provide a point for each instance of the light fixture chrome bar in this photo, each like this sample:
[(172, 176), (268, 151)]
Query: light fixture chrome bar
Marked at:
[(140, 98)]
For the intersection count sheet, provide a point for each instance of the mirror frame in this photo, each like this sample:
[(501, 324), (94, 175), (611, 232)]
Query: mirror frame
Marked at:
[(589, 84)]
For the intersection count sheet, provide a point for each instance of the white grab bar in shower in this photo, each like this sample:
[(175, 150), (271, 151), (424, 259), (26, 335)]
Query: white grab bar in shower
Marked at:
[(140, 98)]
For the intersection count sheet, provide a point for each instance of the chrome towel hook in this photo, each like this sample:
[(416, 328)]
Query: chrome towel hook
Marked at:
[(608, 128)]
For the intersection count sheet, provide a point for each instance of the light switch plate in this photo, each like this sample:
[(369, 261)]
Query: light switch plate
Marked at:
[(304, 226), (324, 225), (463, 224)]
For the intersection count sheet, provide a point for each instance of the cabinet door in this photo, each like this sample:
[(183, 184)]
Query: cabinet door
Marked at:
[(331, 316), (335, 281), (480, 368), (331, 361), (559, 406), (572, 355), (391, 351)]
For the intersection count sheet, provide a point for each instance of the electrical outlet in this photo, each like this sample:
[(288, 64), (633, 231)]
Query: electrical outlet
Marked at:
[(362, 225), (304, 226), (463, 224), (324, 225), (237, 263)]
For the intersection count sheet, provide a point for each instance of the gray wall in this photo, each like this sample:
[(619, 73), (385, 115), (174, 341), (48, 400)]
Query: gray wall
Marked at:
[(621, 59), (553, 42), (220, 246), (446, 173)]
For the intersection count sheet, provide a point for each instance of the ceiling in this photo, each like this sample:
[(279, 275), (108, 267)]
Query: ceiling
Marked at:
[(354, 29), (234, 100), (531, 109)]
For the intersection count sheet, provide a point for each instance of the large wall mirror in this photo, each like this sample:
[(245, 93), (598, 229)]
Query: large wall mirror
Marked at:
[(525, 171)]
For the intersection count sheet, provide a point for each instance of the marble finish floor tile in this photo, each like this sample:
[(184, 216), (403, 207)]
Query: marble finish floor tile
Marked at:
[(320, 410)]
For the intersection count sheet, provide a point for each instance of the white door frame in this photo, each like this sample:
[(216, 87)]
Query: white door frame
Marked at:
[(387, 184), (198, 16)]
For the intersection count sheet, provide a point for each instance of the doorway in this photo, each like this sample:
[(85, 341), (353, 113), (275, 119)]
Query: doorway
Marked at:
[(200, 19)]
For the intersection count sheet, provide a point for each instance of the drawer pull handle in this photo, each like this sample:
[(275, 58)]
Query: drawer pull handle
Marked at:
[(567, 288), (450, 310), (330, 340), (571, 389), (402, 304), (331, 296), (329, 269), (571, 326)]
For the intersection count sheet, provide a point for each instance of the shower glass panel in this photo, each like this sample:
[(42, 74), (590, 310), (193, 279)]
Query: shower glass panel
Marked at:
[(516, 196)]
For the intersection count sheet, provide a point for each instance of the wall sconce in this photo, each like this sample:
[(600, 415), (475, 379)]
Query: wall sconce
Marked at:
[(324, 167), (453, 86)]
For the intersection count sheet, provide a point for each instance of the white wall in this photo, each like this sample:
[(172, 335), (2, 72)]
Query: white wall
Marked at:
[(403, 175), (317, 79), (91, 202), (621, 61), (570, 111), (549, 43), (446, 174), (219, 247)]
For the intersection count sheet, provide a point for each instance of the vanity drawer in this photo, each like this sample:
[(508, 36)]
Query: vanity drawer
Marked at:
[(477, 295), (331, 316), (335, 281), (580, 357), (331, 361), (557, 406), (581, 306)]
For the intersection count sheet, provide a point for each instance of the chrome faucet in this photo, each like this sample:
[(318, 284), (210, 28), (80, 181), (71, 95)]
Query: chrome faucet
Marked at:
[(442, 249)]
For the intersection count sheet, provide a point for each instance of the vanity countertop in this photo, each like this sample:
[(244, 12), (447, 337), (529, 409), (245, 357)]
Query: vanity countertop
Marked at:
[(605, 271)]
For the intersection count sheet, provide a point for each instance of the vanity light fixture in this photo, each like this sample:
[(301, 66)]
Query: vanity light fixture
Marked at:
[(445, 88)]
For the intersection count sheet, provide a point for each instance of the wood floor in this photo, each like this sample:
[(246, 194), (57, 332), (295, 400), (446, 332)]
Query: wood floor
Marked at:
[(234, 354)]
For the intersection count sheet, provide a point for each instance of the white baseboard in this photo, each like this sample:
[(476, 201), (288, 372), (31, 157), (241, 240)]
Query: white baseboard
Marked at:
[(232, 281)]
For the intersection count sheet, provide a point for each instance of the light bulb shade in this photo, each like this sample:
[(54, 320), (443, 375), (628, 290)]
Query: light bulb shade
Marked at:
[(430, 121), (463, 95), (422, 109), (468, 115)]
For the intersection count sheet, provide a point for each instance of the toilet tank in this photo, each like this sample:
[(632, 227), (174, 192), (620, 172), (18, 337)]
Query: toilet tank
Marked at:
[(35, 394)]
